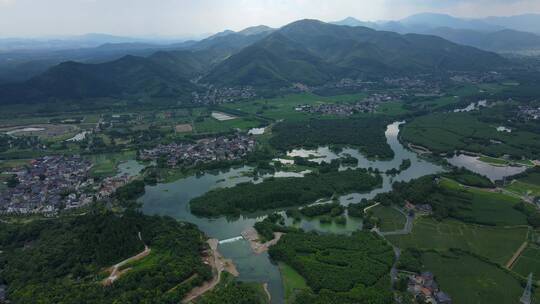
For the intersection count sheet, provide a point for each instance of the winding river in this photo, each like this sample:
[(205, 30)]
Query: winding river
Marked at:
[(172, 199)]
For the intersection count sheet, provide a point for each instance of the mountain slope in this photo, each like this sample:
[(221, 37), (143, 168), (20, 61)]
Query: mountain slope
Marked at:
[(314, 52), (128, 76), (499, 41)]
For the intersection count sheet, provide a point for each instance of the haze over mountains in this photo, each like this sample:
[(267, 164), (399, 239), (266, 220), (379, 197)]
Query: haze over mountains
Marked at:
[(307, 51), (498, 34)]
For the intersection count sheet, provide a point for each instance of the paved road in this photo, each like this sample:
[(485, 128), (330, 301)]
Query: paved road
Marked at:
[(406, 229)]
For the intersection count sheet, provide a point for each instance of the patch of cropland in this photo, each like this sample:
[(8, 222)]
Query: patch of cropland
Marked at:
[(230, 291), (67, 260), (367, 134), (526, 183), (475, 132), (282, 192), (337, 268), (470, 280), (450, 199), (498, 244)]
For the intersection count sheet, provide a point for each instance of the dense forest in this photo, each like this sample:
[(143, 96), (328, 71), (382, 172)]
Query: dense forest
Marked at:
[(367, 134), (64, 260), (469, 178), (338, 268), (282, 192)]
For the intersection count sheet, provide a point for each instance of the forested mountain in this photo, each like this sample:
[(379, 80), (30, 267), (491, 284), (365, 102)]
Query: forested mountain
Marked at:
[(313, 52), (306, 51), (127, 76), (497, 34), (498, 41)]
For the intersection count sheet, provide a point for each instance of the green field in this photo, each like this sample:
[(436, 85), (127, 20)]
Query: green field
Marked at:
[(390, 218), (529, 262), (469, 280), (212, 125), (292, 281), (283, 107), (447, 132), (498, 244), (490, 208), (13, 163), (392, 108), (527, 185), (493, 160), (107, 164)]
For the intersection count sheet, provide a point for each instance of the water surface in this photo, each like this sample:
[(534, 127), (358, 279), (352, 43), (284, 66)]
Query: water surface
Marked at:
[(172, 199)]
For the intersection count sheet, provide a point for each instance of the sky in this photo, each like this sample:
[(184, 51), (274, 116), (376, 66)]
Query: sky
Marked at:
[(190, 18)]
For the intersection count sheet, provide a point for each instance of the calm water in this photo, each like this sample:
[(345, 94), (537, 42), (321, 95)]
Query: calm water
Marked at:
[(474, 164), (131, 168), (172, 199)]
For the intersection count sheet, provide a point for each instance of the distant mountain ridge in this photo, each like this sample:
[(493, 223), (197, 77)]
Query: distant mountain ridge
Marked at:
[(307, 51), (498, 34), (313, 52)]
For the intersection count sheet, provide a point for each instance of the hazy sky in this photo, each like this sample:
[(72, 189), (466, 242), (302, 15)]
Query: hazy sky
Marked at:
[(192, 17)]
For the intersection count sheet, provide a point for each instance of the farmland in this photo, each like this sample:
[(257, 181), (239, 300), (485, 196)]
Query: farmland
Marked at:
[(470, 280), (390, 218), (447, 132), (498, 244), (529, 262)]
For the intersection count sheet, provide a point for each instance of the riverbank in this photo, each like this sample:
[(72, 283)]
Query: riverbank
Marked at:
[(218, 264), (251, 235)]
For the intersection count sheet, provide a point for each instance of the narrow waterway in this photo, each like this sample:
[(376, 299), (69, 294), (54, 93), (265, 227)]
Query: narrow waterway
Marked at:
[(172, 199)]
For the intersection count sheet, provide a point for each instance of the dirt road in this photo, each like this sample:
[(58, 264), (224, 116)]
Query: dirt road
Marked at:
[(218, 264), (114, 270)]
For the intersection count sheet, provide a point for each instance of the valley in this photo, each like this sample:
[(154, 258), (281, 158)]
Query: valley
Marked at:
[(312, 163)]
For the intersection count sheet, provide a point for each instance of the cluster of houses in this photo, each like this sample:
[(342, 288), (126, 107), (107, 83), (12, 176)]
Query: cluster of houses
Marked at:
[(223, 95), (206, 150), (420, 209), (367, 105), (529, 113), (48, 184), (425, 288)]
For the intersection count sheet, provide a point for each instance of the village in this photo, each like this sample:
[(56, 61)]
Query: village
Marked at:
[(53, 183), (205, 150), (529, 112), (48, 184), (367, 105), (223, 95), (425, 288)]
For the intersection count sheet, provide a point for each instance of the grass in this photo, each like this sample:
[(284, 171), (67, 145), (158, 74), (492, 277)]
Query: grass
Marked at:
[(489, 208), (493, 160), (447, 132), (390, 218), (498, 244), (527, 185), (107, 164), (292, 281), (283, 107), (211, 125), (392, 108), (522, 188), (529, 261), (13, 163), (469, 280)]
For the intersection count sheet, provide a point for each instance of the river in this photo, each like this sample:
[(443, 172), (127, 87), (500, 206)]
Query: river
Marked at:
[(172, 199)]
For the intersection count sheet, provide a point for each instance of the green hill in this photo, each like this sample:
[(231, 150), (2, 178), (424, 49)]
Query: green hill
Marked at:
[(314, 52)]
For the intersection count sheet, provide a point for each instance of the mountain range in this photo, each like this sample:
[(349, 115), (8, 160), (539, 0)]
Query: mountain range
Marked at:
[(498, 34), (307, 51)]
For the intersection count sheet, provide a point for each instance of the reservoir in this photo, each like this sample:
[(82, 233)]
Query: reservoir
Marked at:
[(172, 199)]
